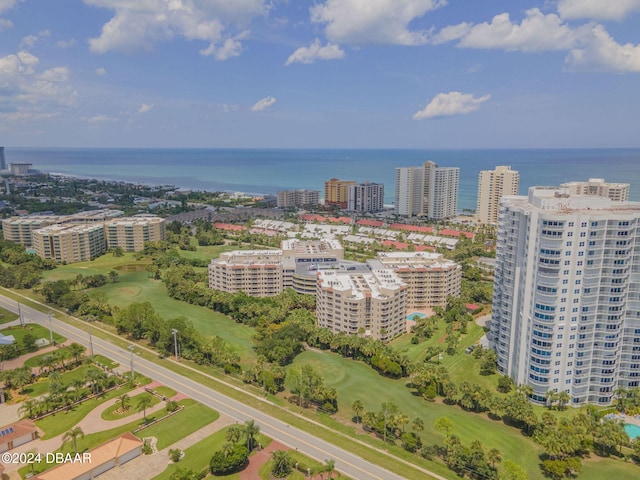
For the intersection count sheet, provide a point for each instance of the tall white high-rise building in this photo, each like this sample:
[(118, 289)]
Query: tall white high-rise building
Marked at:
[(3, 161), (366, 197), (440, 194), (492, 185), (409, 191), (566, 305), (430, 191)]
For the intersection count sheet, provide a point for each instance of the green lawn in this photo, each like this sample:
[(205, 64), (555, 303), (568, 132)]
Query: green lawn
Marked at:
[(197, 456), (54, 425), (6, 316), (192, 418), (209, 252), (101, 265), (597, 468), (167, 392), (34, 329), (137, 287), (355, 380)]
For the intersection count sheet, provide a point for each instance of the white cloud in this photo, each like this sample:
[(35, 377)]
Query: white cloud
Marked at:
[(231, 47), (101, 71), (98, 119), (537, 32), (55, 74), (139, 25), (66, 43), (360, 22), (23, 86), (452, 103), (598, 9), (28, 41), (5, 24), (145, 107), (589, 46), (7, 4), (315, 51), (263, 104), (602, 53), (27, 116)]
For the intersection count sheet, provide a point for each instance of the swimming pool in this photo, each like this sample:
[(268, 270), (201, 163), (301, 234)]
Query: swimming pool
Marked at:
[(632, 430), (415, 316)]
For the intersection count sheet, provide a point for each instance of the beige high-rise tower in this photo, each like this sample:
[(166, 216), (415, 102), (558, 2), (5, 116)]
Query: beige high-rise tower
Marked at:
[(492, 185)]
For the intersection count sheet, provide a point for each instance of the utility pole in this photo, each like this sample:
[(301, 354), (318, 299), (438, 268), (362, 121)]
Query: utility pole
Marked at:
[(50, 330), (131, 347), (175, 341), (20, 315), (90, 342)]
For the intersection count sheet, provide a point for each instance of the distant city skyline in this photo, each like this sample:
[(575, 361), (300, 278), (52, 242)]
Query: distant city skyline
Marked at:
[(319, 74)]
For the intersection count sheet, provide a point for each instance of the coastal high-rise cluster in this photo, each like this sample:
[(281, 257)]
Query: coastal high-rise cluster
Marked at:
[(566, 306)]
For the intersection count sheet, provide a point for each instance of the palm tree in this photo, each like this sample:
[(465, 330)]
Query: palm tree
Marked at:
[(552, 397), (329, 467), (124, 402), (234, 433), (281, 466), (143, 403), (563, 399), (28, 407), (76, 351), (72, 436), (251, 430), (417, 425), (494, 456), (357, 408)]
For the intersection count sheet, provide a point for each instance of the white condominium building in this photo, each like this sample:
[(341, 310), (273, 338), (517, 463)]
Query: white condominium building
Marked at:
[(430, 278), (366, 197), (493, 185), (19, 229), (430, 191), (440, 195), (566, 306), (298, 198), (70, 243), (372, 304), (409, 191), (258, 273), (131, 233), (618, 192)]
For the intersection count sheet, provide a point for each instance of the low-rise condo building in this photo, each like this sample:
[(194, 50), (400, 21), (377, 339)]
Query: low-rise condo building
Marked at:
[(298, 198), (618, 192), (258, 273), (371, 304), (70, 243), (131, 233), (430, 278)]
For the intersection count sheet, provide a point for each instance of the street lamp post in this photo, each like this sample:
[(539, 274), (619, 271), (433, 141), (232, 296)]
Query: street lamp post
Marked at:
[(90, 342), (175, 341), (20, 315), (131, 347), (50, 330)]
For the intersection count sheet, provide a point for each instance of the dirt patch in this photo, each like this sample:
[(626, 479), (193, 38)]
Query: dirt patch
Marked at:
[(129, 291), (131, 268)]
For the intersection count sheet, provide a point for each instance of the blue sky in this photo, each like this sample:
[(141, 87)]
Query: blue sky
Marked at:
[(323, 73)]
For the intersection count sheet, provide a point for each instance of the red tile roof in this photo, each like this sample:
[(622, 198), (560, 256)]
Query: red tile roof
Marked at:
[(370, 223), (411, 228)]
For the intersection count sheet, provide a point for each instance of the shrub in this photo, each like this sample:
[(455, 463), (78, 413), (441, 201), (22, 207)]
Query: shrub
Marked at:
[(225, 463)]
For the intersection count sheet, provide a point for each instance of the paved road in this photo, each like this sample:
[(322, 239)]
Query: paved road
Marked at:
[(346, 462)]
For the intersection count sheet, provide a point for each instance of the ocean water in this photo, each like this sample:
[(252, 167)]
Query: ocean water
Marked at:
[(267, 171)]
